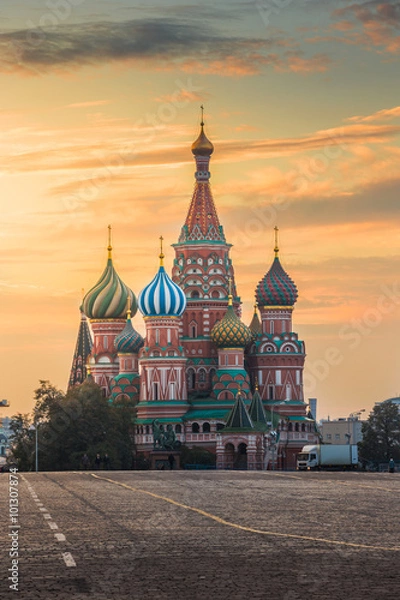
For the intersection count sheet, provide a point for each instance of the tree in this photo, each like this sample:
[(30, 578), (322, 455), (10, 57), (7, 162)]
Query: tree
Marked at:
[(381, 434), (22, 441), (82, 421)]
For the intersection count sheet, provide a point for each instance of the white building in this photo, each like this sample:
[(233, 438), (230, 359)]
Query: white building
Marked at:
[(341, 431)]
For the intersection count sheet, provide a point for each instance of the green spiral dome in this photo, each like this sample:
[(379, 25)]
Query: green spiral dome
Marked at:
[(108, 299), (230, 332)]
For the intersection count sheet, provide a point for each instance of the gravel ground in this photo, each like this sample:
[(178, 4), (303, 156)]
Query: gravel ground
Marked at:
[(191, 535)]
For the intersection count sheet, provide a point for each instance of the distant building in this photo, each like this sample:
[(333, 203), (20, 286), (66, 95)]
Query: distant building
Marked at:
[(312, 403), (341, 431), (392, 400), (5, 434)]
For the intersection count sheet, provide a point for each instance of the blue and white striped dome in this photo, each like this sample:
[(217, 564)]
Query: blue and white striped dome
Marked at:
[(162, 297)]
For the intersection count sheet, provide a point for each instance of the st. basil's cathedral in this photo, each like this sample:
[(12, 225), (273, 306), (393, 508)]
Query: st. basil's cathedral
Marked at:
[(200, 372)]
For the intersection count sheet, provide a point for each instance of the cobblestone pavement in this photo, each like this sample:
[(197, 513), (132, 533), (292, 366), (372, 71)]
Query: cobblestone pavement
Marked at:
[(204, 535)]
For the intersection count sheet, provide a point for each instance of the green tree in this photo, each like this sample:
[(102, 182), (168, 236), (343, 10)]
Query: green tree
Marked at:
[(22, 441), (381, 434), (82, 421)]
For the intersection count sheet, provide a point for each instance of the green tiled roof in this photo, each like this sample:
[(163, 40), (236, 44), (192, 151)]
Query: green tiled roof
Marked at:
[(206, 414), (239, 417), (162, 420)]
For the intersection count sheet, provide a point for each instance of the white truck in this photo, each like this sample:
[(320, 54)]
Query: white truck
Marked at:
[(328, 456)]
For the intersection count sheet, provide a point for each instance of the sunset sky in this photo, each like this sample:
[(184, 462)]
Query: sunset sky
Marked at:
[(99, 104)]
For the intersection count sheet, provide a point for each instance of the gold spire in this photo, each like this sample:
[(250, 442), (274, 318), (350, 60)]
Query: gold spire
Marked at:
[(230, 297), (256, 384), (129, 303), (202, 146), (276, 249), (255, 309), (88, 371), (109, 247), (161, 253)]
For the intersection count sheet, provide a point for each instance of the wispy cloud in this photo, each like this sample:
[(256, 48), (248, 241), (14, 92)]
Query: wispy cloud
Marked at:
[(87, 104), (92, 156), (372, 23), (380, 115), (157, 44)]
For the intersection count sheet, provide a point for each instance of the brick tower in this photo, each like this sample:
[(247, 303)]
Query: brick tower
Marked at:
[(202, 268)]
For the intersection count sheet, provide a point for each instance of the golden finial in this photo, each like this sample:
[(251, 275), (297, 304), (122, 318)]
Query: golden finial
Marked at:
[(202, 115), (230, 297), (276, 249), (109, 247), (256, 384), (161, 253), (129, 303), (255, 308), (88, 371)]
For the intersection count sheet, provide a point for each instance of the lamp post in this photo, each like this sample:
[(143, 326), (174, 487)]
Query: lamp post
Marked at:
[(273, 433), (353, 417), (35, 429)]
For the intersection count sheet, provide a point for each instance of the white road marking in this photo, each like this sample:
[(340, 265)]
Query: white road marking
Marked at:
[(60, 537), (46, 516), (52, 525), (69, 561)]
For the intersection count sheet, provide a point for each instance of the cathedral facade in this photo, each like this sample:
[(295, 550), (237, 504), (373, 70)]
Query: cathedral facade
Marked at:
[(200, 373)]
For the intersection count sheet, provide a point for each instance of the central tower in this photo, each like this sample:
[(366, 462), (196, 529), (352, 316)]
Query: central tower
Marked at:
[(202, 269)]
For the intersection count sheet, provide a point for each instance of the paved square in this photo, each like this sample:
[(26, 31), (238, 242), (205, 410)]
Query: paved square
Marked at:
[(187, 535)]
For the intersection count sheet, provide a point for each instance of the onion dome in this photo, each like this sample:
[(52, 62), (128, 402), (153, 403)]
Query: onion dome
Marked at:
[(255, 325), (162, 297), (202, 146), (276, 288), (230, 332), (109, 297), (129, 341)]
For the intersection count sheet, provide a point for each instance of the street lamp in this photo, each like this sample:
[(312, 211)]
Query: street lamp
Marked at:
[(353, 417), (274, 433), (34, 427)]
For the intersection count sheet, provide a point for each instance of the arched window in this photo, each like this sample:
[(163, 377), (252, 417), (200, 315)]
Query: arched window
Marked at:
[(191, 378), (195, 294), (195, 428), (202, 376), (296, 427), (303, 426), (178, 428), (156, 391), (105, 342), (206, 428), (147, 429), (290, 427), (193, 329)]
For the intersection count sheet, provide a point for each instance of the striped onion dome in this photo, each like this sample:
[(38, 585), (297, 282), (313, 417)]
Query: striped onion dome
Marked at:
[(230, 332), (162, 297), (276, 288), (129, 341), (109, 297)]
